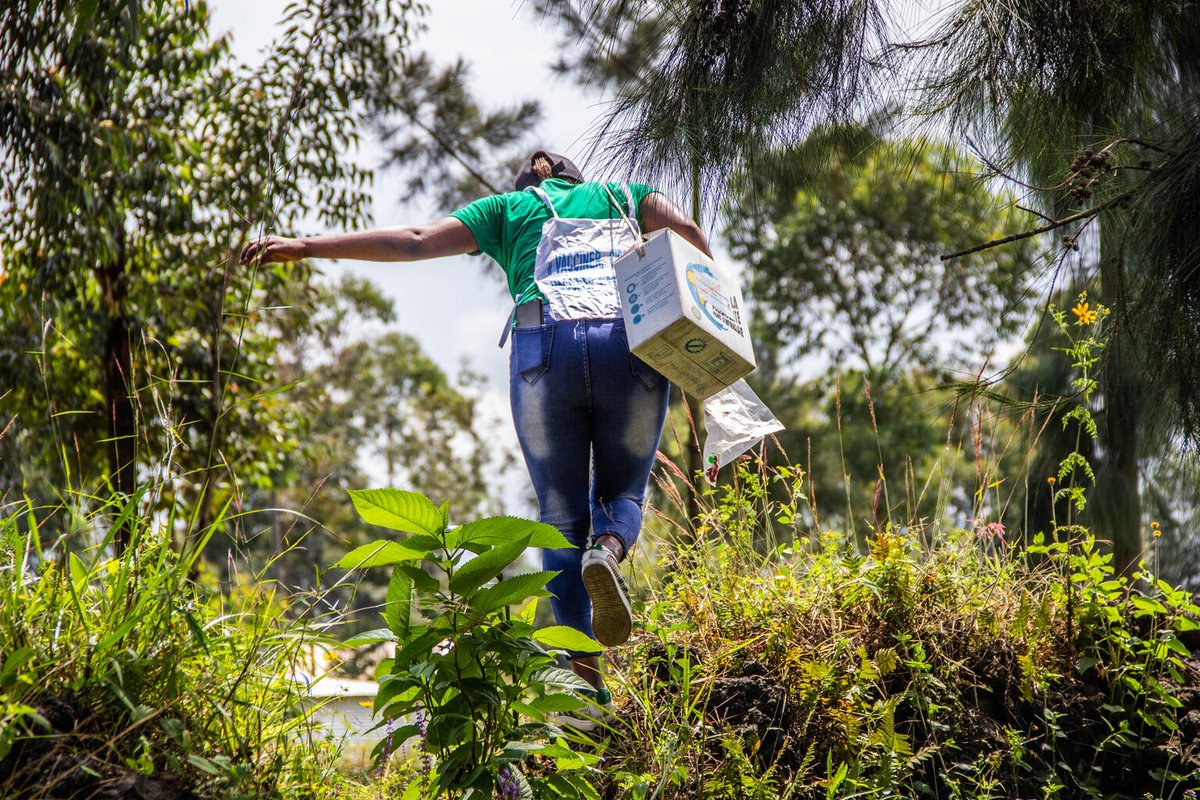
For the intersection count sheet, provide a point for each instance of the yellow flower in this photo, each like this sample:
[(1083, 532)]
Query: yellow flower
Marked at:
[(1155, 529), (1086, 315), (1052, 480)]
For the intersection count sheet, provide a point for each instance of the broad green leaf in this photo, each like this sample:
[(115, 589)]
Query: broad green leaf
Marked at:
[(424, 541), (1176, 646), (557, 702), (12, 666), (414, 791), (380, 554), (487, 565), (560, 637), (481, 692), (401, 511), (527, 711), (401, 690), (512, 590), (370, 637), (422, 580), (1148, 606), (501, 530), (445, 730), (529, 612), (557, 676), (560, 750), (204, 765), (79, 573), (397, 611), (392, 742), (563, 786), (418, 648)]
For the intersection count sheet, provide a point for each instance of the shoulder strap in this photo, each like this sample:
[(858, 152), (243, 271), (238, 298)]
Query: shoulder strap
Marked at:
[(629, 195), (633, 228), (544, 198)]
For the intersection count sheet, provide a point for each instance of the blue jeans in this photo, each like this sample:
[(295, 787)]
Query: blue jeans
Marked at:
[(588, 414)]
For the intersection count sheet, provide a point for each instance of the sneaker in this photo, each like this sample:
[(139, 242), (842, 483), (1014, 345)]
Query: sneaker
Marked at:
[(612, 617), (597, 713)]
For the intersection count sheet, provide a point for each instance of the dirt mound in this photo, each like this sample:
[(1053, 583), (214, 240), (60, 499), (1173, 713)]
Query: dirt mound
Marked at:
[(76, 760)]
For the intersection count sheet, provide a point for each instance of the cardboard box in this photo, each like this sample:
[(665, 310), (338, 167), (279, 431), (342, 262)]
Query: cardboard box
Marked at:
[(684, 315)]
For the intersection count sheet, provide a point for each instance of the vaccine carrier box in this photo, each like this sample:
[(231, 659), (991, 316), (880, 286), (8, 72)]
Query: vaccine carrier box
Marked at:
[(684, 315)]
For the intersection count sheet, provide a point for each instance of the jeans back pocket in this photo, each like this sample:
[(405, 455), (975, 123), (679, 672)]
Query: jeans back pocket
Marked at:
[(645, 374), (531, 351)]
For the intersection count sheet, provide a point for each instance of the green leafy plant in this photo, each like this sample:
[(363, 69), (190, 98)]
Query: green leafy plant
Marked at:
[(128, 672), (477, 685), (926, 661), (1084, 350)]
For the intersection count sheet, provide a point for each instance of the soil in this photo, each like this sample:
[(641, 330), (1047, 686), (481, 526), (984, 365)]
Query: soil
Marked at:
[(754, 706), (74, 760)]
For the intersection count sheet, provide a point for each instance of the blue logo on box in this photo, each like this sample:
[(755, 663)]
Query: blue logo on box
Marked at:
[(705, 290), (635, 309)]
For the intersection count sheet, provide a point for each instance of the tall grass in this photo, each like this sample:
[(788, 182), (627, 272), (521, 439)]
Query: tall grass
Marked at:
[(949, 666), (128, 676)]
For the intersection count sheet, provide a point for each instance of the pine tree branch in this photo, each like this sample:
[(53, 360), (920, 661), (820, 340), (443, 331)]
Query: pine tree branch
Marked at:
[(451, 151), (1016, 237)]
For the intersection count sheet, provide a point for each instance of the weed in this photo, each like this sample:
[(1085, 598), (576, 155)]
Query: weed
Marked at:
[(484, 684)]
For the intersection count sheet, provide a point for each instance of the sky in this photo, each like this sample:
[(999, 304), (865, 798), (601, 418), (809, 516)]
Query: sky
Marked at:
[(509, 53)]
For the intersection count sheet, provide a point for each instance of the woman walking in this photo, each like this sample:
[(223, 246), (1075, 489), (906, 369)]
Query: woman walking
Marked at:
[(588, 413)]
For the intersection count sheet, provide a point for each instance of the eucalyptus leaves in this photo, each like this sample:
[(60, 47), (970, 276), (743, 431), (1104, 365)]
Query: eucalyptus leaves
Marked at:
[(483, 680)]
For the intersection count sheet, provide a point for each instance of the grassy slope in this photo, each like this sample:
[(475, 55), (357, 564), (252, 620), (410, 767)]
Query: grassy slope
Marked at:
[(816, 670), (962, 670)]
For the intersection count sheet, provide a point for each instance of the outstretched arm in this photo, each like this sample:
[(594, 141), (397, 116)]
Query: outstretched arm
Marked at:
[(659, 212), (446, 237)]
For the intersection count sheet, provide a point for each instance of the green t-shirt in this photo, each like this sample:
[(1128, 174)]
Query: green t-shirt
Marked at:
[(508, 227)]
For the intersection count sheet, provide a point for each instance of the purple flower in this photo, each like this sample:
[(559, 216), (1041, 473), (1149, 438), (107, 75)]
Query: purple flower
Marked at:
[(388, 746), (426, 761), (510, 787)]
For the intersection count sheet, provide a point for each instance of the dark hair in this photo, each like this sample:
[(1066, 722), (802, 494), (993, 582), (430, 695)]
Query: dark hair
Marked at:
[(560, 167)]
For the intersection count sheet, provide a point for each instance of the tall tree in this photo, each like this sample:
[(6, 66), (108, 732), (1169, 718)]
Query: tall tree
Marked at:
[(1115, 82), (842, 234), (370, 406), (1033, 82), (700, 84), (134, 151), (137, 156), (444, 141)]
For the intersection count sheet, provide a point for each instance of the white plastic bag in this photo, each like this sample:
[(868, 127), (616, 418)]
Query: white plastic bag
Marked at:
[(736, 420)]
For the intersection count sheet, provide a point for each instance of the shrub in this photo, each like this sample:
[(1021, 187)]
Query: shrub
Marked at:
[(476, 686), (963, 669)]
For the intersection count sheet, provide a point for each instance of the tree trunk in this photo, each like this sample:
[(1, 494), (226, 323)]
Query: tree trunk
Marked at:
[(1116, 503), (118, 394)]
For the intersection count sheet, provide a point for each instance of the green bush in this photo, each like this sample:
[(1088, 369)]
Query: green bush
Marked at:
[(474, 685), (963, 669)]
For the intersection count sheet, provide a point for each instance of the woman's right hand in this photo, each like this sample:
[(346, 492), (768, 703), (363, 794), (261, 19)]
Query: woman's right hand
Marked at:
[(268, 249)]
